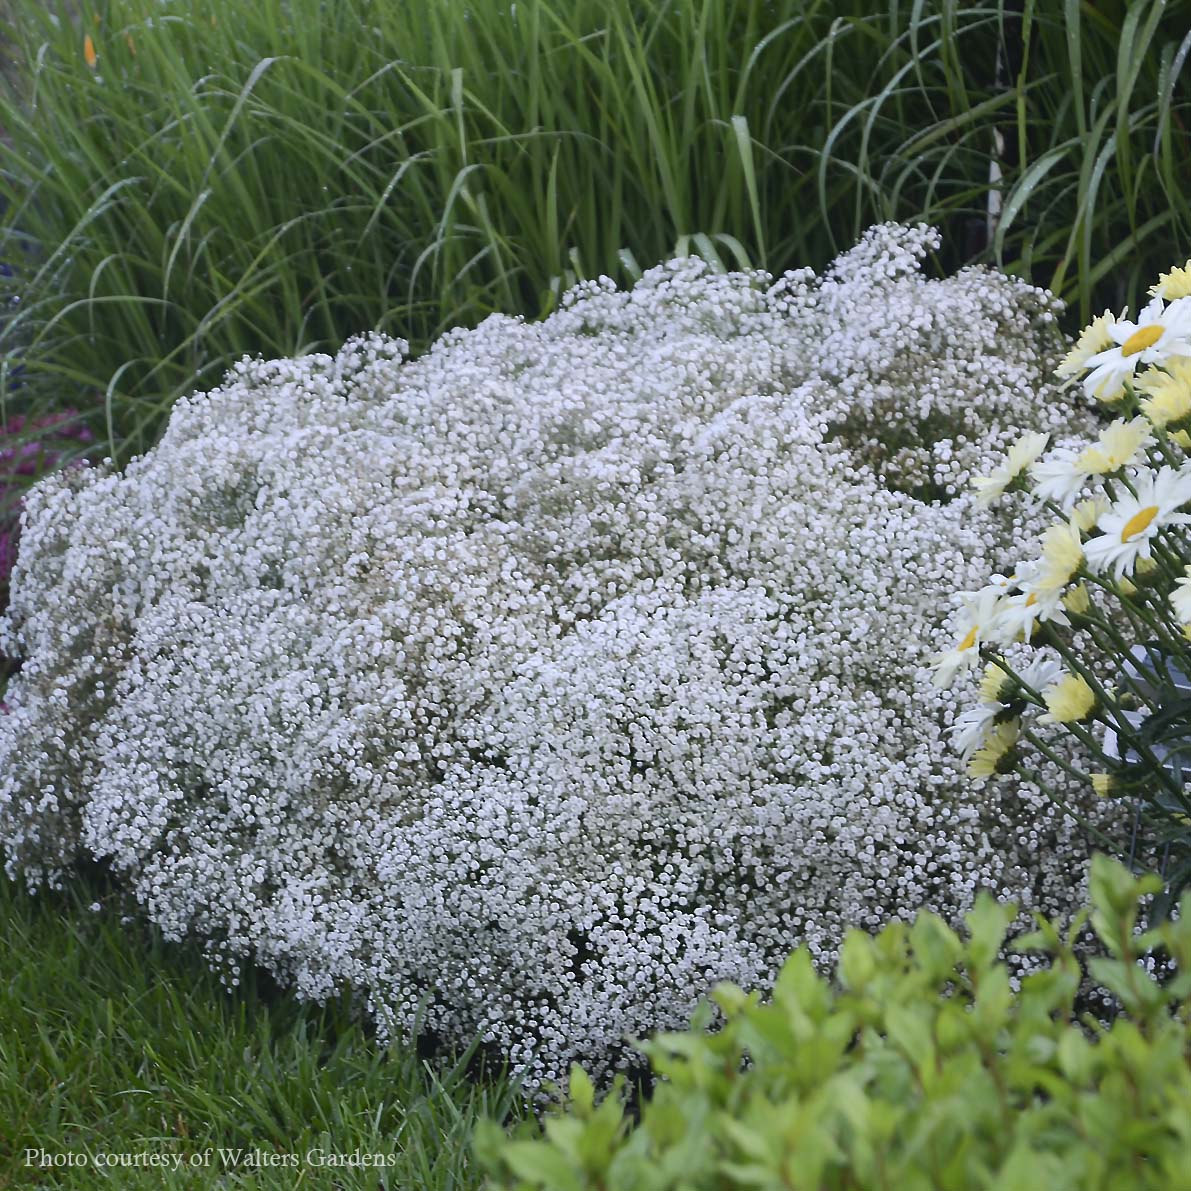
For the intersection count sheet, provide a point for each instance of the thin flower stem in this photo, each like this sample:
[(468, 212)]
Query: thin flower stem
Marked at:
[(1032, 775), (1125, 731)]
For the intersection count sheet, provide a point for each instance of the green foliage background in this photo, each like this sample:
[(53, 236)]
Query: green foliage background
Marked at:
[(273, 177)]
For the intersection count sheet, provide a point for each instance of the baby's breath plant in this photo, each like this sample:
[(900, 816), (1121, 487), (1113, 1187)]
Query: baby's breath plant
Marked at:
[(530, 686), (1086, 643)]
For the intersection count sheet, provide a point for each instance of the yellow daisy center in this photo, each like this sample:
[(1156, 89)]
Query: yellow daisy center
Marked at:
[(968, 641), (1138, 523), (1142, 338)]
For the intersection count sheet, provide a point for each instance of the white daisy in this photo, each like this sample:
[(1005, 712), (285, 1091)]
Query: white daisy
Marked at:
[(1161, 331), (1041, 670), (1002, 687), (1118, 446), (981, 610), (1093, 339), (1180, 598), (996, 755), (1131, 522), (1061, 475), (1035, 603), (972, 727), (1019, 456), (1085, 514), (1062, 554), (1058, 477)]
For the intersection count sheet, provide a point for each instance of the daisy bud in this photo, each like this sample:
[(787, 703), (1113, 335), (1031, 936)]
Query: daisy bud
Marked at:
[(1105, 785), (1172, 285), (999, 754), (1087, 512), (996, 686), (1068, 701), (1077, 601)]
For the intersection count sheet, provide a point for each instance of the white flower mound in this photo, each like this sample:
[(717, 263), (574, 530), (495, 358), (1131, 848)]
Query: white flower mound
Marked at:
[(557, 674)]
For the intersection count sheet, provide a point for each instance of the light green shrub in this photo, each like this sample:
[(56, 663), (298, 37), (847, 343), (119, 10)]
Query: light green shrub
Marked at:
[(919, 1066)]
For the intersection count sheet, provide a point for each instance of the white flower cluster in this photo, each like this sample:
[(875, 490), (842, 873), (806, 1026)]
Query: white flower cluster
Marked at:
[(546, 679)]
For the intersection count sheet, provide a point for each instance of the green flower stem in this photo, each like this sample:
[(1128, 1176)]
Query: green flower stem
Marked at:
[(1057, 510), (1117, 644), (1125, 731), (1143, 622), (1124, 480), (1033, 776), (1172, 562)]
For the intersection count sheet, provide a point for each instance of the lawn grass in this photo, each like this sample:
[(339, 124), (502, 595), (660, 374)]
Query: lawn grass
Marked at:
[(115, 1041)]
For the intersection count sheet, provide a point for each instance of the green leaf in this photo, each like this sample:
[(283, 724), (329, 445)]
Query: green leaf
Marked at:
[(541, 1165), (987, 922)]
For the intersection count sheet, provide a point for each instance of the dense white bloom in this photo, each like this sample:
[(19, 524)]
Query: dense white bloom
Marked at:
[(1130, 523), (548, 678), (1160, 332)]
